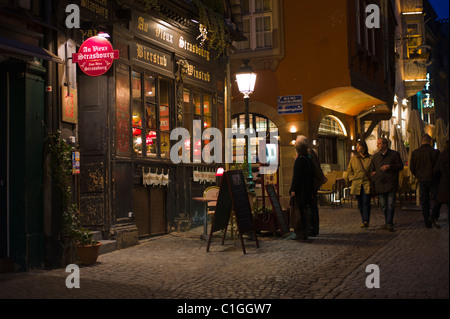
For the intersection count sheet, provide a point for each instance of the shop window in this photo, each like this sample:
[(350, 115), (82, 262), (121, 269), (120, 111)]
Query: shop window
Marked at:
[(150, 113), (197, 105)]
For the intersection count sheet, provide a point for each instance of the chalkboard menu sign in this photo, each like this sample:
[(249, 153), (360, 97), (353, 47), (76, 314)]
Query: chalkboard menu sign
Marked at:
[(278, 212), (233, 194)]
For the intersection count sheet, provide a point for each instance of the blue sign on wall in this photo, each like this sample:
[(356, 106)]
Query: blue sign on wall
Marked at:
[(290, 104)]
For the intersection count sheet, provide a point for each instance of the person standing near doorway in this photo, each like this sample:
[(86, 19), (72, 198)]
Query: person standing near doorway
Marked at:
[(423, 162), (318, 179), (384, 169), (358, 175)]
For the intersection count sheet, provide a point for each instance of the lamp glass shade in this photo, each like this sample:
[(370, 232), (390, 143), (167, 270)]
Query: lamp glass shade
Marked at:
[(246, 82)]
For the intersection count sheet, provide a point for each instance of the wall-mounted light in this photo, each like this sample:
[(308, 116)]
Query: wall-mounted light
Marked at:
[(293, 131), (405, 102), (103, 34)]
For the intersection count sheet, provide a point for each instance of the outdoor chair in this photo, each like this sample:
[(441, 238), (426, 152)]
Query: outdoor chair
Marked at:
[(328, 190)]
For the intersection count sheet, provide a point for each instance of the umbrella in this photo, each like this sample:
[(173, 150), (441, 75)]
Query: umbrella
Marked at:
[(439, 134), (415, 129), (398, 145)]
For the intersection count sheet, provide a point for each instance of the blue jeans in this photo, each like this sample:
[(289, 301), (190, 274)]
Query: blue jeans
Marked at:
[(428, 196), (364, 205), (387, 202)]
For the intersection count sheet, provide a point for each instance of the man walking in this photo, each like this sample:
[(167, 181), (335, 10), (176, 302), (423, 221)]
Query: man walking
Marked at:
[(423, 161), (384, 169)]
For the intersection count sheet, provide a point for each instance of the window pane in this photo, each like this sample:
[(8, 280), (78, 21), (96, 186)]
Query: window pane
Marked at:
[(187, 111), (164, 118), (151, 142), (207, 122), (137, 142), (165, 145), (259, 5), (197, 103), (267, 24), (207, 105), (164, 92), (262, 5), (267, 39), (136, 113), (136, 84), (259, 22), (151, 116), (260, 124), (246, 6), (234, 125), (150, 88)]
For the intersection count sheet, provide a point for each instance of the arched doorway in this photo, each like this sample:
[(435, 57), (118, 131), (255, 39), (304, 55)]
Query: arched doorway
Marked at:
[(332, 144)]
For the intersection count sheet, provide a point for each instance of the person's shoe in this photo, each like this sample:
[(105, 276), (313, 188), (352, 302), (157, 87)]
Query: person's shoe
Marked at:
[(390, 228), (435, 223), (293, 236), (365, 225)]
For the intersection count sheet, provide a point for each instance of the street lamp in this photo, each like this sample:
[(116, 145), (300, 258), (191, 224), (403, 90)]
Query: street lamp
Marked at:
[(246, 79)]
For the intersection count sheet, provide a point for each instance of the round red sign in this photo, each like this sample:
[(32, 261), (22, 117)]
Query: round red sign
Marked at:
[(95, 56)]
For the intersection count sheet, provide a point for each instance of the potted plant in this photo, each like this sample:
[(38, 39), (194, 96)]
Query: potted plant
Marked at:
[(87, 247), (71, 231)]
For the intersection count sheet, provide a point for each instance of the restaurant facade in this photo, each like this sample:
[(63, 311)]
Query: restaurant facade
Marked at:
[(163, 79), (117, 113)]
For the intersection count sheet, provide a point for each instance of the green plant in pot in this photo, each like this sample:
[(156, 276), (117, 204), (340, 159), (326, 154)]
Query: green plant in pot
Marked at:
[(60, 153), (87, 246)]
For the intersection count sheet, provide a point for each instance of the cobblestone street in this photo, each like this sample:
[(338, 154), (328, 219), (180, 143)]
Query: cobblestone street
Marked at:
[(413, 263)]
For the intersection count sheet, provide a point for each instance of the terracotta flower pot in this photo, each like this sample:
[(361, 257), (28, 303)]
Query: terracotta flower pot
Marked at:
[(88, 254)]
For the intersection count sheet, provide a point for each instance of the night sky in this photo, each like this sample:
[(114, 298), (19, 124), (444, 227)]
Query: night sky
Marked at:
[(441, 8)]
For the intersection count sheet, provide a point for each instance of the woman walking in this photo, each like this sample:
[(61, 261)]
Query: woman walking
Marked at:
[(358, 175)]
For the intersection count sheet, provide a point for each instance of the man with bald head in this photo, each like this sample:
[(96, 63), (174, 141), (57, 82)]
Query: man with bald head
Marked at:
[(423, 161)]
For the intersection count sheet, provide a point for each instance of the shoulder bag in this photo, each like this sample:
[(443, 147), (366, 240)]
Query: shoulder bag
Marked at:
[(373, 191)]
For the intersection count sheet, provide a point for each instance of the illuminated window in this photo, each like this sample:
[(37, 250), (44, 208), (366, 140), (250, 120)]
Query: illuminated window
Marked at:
[(197, 105), (150, 115), (257, 122), (329, 125), (414, 39)]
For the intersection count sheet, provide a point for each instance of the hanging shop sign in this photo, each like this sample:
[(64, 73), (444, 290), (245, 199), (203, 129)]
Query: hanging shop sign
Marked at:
[(95, 56)]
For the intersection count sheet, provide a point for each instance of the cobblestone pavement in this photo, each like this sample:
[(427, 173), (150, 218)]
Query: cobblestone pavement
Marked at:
[(413, 263)]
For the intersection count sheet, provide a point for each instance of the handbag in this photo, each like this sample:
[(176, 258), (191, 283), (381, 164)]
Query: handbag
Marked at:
[(373, 191)]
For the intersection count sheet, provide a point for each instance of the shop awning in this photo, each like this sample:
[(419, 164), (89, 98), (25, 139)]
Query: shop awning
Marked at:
[(25, 51), (350, 101)]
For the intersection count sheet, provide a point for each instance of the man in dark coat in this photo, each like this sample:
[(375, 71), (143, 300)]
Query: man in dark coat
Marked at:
[(384, 169), (301, 192), (318, 179), (423, 162)]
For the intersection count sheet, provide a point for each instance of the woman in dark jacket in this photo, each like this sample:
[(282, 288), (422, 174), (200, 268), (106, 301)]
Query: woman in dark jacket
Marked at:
[(301, 192)]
